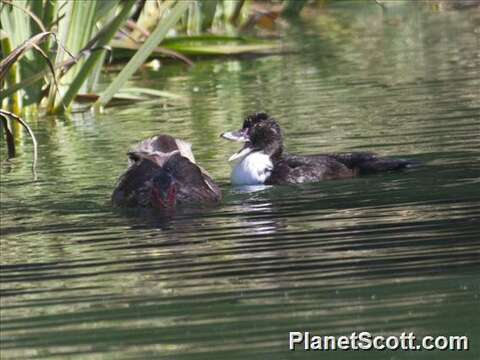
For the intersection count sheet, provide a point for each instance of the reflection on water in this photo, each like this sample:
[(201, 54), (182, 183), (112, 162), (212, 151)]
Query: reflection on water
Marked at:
[(388, 253)]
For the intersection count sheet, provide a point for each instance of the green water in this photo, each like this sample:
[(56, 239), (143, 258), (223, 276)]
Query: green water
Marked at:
[(392, 253)]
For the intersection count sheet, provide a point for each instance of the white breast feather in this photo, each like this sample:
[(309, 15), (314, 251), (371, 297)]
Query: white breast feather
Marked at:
[(252, 169)]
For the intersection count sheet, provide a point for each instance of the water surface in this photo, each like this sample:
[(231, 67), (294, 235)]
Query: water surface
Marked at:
[(392, 253)]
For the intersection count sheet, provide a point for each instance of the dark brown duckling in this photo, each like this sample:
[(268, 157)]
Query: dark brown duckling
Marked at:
[(163, 174), (262, 159)]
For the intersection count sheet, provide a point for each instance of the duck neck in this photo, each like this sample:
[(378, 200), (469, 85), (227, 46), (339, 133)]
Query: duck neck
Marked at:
[(253, 169), (277, 155)]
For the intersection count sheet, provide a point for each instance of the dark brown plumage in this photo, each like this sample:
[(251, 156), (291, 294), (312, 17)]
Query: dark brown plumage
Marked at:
[(163, 174)]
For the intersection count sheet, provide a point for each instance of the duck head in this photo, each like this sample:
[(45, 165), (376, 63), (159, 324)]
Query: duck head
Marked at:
[(262, 138), (260, 133)]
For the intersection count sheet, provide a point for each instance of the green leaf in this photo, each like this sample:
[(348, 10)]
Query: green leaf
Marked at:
[(220, 45), (152, 92), (143, 53), (208, 9), (16, 19), (75, 30), (217, 50), (106, 34), (203, 45), (293, 7)]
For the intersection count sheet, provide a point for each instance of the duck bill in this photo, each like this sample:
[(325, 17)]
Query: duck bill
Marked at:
[(239, 136), (241, 153)]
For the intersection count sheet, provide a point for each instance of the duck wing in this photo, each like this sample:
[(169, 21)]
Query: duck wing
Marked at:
[(193, 185), (359, 162), (292, 169), (134, 187)]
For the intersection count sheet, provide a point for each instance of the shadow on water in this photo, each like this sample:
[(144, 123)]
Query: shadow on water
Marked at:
[(390, 253)]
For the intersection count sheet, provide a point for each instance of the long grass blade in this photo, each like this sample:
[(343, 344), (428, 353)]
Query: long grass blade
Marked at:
[(75, 31), (151, 92), (49, 13), (143, 53), (123, 49), (21, 50), (220, 45), (208, 9), (34, 79), (293, 7), (203, 45), (106, 35), (15, 22), (21, 23), (194, 19), (32, 15), (12, 73), (237, 10)]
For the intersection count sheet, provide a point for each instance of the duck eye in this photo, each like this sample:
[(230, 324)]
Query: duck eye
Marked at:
[(133, 156)]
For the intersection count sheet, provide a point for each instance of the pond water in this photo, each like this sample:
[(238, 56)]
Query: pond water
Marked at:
[(392, 253)]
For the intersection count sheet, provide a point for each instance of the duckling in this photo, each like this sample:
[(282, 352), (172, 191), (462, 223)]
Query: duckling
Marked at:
[(262, 160)]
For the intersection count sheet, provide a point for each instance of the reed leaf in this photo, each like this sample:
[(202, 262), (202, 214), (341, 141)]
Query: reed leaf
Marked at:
[(150, 16), (15, 55), (202, 45), (34, 78), (74, 32), (292, 8), (16, 22), (225, 49), (215, 45), (49, 13), (103, 38), (237, 10), (124, 49), (194, 19), (36, 9), (208, 9), (11, 73), (144, 52), (151, 92)]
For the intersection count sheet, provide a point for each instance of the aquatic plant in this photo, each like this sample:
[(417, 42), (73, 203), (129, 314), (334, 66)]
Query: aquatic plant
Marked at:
[(54, 50), (70, 40)]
